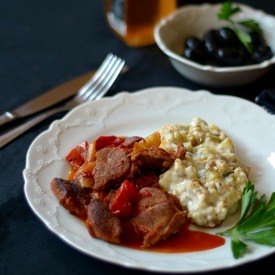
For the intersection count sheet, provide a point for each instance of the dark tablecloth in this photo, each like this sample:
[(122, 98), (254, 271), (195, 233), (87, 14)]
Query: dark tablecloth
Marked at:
[(43, 44)]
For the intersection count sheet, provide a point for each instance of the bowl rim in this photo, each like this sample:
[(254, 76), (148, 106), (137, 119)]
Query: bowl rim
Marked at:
[(210, 68)]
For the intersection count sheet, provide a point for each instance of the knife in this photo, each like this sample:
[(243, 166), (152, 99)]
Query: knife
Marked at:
[(46, 99)]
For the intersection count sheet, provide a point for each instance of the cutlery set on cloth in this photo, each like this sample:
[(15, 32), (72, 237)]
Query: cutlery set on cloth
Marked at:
[(91, 86)]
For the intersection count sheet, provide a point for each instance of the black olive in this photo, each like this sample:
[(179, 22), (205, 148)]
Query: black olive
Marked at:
[(261, 54), (194, 55), (194, 43), (211, 42), (257, 39), (245, 55), (211, 47), (228, 37), (229, 56), (212, 35)]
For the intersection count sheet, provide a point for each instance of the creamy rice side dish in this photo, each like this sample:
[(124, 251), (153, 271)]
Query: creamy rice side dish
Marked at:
[(209, 181)]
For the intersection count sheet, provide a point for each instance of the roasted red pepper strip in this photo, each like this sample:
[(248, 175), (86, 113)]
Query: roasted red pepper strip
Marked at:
[(125, 197), (105, 141), (77, 155)]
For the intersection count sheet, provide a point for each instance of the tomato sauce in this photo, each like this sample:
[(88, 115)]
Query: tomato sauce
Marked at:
[(186, 240)]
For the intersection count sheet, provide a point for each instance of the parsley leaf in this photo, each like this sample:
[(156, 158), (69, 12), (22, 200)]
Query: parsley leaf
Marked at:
[(251, 25), (226, 12), (256, 222), (245, 38)]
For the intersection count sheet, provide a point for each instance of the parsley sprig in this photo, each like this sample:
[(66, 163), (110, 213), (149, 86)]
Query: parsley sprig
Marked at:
[(256, 223), (226, 13)]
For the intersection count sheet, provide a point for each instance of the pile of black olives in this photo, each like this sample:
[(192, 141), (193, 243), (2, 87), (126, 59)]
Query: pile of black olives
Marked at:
[(221, 47)]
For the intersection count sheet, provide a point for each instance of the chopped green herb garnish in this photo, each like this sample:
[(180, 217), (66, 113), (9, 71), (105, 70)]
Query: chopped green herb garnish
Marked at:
[(226, 12), (256, 223), (251, 24)]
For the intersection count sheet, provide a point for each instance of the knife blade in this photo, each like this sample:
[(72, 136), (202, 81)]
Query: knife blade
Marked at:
[(47, 99)]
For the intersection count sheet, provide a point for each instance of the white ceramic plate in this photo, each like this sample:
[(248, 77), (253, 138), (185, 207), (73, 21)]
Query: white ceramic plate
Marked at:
[(142, 113), (195, 20)]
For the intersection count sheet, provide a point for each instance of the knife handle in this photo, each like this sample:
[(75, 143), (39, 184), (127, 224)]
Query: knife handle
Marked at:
[(19, 130), (7, 117)]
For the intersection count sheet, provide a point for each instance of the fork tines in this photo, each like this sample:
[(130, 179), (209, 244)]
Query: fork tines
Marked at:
[(103, 79)]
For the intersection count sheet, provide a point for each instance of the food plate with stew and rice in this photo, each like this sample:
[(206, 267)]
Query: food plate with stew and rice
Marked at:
[(243, 121)]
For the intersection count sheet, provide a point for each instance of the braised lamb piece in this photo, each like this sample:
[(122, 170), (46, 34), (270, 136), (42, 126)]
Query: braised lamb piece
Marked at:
[(71, 196), (102, 224), (157, 216), (153, 158), (112, 166)]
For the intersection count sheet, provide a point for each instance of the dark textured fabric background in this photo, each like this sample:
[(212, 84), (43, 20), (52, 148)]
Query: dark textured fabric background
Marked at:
[(43, 44)]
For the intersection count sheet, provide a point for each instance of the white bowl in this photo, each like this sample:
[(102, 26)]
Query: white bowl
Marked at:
[(171, 32)]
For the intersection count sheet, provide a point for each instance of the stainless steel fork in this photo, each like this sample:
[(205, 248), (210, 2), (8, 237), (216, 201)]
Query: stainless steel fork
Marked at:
[(94, 89)]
